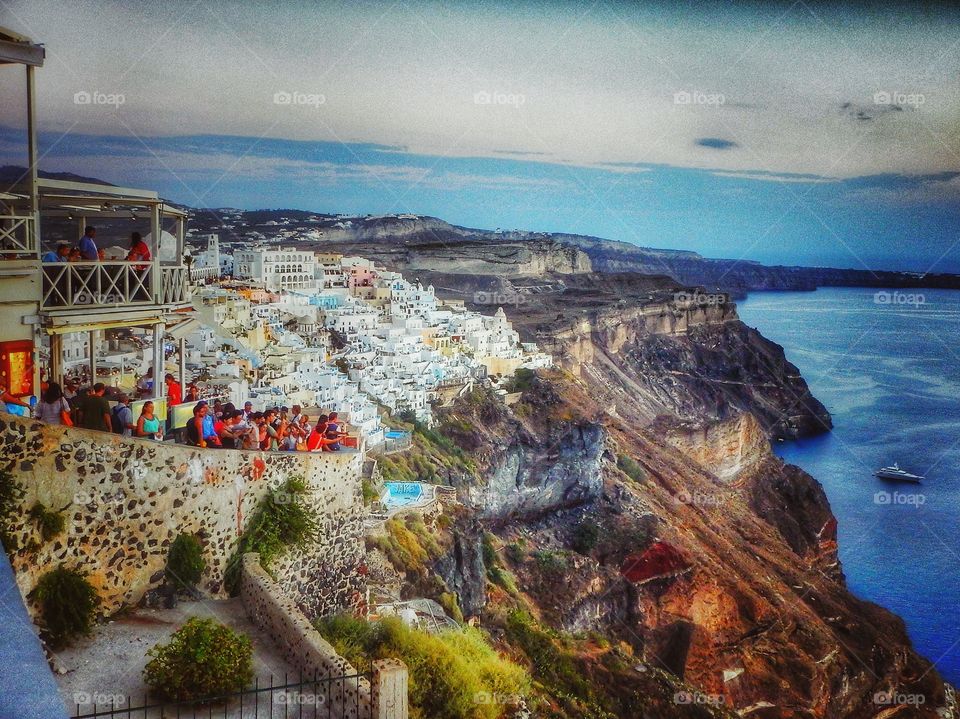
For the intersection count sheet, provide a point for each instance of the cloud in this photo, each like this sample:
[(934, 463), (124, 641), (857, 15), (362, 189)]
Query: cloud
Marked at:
[(715, 143), (773, 177)]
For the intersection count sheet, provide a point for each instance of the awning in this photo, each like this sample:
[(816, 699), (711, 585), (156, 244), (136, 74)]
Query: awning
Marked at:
[(105, 325)]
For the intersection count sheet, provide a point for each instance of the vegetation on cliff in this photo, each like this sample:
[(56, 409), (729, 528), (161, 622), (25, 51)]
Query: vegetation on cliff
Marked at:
[(68, 605), (454, 674)]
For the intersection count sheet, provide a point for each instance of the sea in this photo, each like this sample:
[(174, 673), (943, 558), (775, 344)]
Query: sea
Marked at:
[(886, 363)]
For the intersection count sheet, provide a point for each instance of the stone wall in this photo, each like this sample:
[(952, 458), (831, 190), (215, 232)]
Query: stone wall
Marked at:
[(345, 693), (125, 500)]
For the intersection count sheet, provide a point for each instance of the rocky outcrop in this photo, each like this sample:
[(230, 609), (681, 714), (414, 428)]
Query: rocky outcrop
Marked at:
[(722, 573), (695, 362), (462, 567)]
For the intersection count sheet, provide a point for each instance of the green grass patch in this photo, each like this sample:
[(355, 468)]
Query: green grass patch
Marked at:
[(455, 674), (50, 522)]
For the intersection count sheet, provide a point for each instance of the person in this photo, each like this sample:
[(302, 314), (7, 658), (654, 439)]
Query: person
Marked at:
[(247, 410), (13, 405), (200, 429), (53, 407), (61, 254), (145, 384), (259, 435), (174, 391), (147, 424), (276, 429), (123, 417), (318, 441), (95, 410), (74, 255), (193, 393), (217, 408), (88, 245), (138, 250), (227, 430), (333, 432)]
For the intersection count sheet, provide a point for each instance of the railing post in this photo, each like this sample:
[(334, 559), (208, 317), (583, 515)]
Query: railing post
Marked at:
[(388, 689)]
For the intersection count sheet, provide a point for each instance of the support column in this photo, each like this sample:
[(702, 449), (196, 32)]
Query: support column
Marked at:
[(158, 361), (56, 359), (92, 351), (182, 352)]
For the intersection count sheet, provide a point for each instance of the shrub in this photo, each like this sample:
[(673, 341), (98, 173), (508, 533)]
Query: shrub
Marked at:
[(448, 600), (369, 491), (202, 660), (51, 523), (68, 603), (585, 537), (631, 468), (282, 520), (447, 670), (185, 563)]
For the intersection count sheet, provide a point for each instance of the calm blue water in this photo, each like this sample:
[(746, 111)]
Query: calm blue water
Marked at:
[(890, 376)]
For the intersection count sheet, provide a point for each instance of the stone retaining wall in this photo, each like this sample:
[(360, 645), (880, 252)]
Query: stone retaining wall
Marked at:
[(304, 647), (125, 500)]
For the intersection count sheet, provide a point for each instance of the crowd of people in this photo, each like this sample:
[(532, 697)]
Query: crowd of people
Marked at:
[(216, 425), (87, 251), (279, 428)]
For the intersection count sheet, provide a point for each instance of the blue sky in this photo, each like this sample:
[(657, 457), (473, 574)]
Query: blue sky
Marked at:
[(785, 133)]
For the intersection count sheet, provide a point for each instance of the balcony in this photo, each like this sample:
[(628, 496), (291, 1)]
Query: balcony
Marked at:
[(87, 285)]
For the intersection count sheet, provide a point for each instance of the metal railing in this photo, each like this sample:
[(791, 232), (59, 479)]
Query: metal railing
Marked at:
[(18, 234), (83, 285), (338, 697)]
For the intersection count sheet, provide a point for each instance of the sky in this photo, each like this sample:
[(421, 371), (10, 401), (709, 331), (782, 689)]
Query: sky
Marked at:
[(788, 133)]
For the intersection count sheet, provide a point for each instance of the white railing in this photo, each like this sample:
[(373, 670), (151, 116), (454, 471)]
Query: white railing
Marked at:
[(18, 234), (87, 285)]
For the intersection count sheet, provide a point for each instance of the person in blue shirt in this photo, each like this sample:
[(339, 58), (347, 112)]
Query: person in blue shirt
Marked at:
[(88, 245), (59, 255)]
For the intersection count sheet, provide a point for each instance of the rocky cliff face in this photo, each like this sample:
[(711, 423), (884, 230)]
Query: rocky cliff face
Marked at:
[(691, 361), (692, 543)]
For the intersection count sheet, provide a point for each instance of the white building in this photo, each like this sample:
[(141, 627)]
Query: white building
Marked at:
[(286, 268)]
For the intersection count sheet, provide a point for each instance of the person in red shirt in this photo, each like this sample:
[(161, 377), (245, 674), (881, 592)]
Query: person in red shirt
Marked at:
[(174, 391)]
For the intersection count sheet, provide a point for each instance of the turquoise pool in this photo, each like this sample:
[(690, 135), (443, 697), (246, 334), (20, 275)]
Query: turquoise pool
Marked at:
[(395, 434), (401, 494)]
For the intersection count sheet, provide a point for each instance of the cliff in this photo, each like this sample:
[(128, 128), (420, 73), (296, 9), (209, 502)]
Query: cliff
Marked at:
[(691, 545)]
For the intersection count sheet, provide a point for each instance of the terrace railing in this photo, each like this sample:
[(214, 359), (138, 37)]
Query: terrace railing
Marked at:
[(84, 285), (18, 235)]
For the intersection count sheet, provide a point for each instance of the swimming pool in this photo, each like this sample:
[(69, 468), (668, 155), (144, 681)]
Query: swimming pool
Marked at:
[(394, 434), (401, 494)]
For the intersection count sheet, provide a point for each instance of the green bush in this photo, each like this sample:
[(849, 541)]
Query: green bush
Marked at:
[(516, 552), (370, 493), (631, 468), (281, 521), (68, 604), (449, 671), (51, 523), (448, 600), (185, 562), (585, 537), (203, 659)]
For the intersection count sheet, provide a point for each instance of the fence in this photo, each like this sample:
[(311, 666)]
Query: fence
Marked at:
[(314, 698)]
